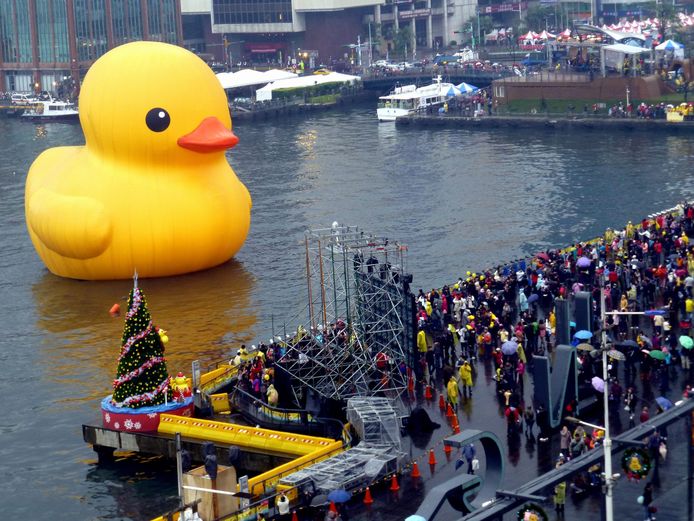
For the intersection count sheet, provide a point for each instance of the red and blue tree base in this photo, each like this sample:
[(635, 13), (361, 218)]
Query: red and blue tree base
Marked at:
[(142, 419)]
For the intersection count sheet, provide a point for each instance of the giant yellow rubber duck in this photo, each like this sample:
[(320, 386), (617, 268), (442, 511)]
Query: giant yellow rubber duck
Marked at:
[(151, 190)]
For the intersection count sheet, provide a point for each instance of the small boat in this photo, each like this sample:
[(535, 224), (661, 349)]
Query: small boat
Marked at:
[(408, 99), (47, 108)]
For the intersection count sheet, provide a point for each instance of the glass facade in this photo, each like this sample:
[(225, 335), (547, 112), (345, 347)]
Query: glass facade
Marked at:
[(52, 31), (15, 39), (51, 34), (90, 28), (251, 11)]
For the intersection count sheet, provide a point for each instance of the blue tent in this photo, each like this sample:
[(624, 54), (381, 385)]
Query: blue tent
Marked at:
[(669, 45), (466, 88)]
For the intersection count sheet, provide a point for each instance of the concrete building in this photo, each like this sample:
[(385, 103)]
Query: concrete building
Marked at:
[(278, 30), (44, 43)]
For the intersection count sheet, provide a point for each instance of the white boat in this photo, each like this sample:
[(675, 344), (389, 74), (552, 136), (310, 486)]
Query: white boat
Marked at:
[(409, 99), (47, 108)]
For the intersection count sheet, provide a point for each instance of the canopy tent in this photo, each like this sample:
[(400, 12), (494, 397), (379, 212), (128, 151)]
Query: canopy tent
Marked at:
[(614, 56), (669, 45), (249, 77), (545, 35), (491, 37), (466, 88), (265, 93)]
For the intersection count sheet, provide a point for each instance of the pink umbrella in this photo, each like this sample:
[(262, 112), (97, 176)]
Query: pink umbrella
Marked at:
[(598, 384)]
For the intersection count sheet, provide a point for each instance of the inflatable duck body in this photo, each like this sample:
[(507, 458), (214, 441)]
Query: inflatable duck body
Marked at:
[(151, 190)]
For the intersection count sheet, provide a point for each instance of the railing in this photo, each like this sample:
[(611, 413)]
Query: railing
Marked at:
[(301, 420)]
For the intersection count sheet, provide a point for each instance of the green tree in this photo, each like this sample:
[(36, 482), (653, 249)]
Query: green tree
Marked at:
[(536, 17), (142, 378), (402, 41)]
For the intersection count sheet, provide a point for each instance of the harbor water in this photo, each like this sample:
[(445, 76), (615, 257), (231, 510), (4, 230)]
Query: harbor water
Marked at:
[(461, 199)]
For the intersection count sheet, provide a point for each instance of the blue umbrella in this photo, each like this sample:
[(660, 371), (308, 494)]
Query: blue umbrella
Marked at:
[(583, 335), (572, 324), (339, 496), (664, 403), (533, 298), (654, 312)]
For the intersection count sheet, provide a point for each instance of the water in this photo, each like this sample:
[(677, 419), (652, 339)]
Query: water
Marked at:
[(460, 199)]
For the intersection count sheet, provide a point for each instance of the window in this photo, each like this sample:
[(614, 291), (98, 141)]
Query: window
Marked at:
[(251, 11)]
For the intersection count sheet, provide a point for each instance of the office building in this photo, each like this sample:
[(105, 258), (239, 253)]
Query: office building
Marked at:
[(45, 43)]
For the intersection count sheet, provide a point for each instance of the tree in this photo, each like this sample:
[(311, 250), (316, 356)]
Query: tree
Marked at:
[(402, 40), (536, 17), (142, 379)]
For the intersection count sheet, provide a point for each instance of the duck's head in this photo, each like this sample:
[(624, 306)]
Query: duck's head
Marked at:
[(155, 103)]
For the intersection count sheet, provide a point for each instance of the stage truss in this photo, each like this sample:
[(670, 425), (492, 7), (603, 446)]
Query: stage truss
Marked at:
[(359, 339)]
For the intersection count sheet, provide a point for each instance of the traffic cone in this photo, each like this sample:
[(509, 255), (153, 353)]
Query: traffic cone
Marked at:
[(432, 457), (415, 471), (394, 487), (427, 393), (368, 500), (447, 449), (442, 403), (449, 412), (454, 421), (332, 507), (456, 428), (295, 516)]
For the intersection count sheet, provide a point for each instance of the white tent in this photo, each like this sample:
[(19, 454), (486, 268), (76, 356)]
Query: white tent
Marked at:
[(614, 55), (670, 46), (265, 93), (242, 78), (277, 74), (492, 37)]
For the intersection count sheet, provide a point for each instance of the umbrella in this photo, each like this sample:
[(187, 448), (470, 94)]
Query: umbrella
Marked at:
[(583, 262), (686, 341), (616, 355), (585, 347), (657, 354), (533, 298), (646, 340), (583, 334), (453, 91), (572, 324), (542, 256), (598, 384), (509, 348), (654, 312), (627, 343), (320, 500), (339, 496), (466, 88), (664, 403)]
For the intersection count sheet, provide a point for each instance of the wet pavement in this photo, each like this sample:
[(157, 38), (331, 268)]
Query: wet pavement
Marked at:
[(526, 458)]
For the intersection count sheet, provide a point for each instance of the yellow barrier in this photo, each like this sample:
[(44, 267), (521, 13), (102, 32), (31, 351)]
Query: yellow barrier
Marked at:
[(266, 481), (220, 402), (252, 438)]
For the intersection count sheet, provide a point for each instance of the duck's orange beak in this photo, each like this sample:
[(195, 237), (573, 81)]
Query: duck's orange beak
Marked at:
[(210, 136)]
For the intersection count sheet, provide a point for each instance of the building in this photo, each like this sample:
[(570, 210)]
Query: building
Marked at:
[(45, 44), (330, 30)]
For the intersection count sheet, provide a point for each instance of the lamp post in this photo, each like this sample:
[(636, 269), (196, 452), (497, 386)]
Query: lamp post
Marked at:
[(607, 443)]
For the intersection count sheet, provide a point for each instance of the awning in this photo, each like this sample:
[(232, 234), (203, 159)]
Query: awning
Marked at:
[(265, 47)]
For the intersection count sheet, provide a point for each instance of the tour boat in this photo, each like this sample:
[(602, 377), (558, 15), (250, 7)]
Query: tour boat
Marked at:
[(50, 109), (409, 99)]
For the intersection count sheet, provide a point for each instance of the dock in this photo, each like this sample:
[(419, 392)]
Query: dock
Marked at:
[(547, 122)]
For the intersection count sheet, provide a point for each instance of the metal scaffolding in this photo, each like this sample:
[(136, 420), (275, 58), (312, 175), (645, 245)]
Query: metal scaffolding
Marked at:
[(360, 331)]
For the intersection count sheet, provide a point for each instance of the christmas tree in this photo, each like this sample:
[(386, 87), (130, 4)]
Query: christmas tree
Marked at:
[(142, 379)]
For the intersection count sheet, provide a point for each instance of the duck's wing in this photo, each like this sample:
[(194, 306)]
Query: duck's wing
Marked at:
[(73, 226)]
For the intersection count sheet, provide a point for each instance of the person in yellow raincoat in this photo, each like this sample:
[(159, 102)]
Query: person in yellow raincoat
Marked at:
[(465, 373), (452, 389)]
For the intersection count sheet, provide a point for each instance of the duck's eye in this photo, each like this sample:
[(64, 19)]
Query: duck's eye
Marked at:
[(158, 120)]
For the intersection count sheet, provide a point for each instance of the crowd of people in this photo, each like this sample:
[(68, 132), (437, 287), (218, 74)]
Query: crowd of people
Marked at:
[(506, 315)]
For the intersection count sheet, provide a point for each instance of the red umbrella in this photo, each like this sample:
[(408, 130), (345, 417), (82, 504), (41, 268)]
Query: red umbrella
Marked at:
[(542, 256)]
